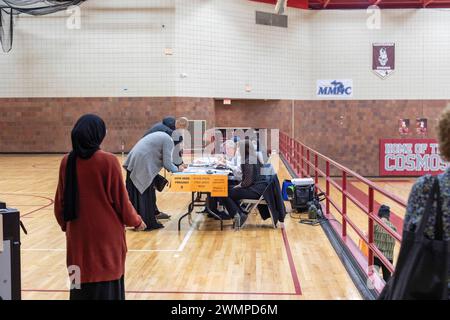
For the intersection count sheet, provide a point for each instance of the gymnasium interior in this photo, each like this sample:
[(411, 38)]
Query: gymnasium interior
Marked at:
[(343, 93)]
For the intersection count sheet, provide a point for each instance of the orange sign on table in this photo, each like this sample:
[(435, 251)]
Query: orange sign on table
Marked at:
[(217, 185)]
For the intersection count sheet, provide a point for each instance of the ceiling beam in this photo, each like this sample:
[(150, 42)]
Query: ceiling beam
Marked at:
[(361, 4)]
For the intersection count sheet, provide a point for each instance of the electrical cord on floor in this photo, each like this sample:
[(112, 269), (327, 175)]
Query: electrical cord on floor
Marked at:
[(314, 222), (295, 215)]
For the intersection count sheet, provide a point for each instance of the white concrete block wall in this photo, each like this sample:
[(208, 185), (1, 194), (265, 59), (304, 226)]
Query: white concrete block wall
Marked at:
[(342, 48), (118, 51), (222, 50), (436, 53), (218, 50)]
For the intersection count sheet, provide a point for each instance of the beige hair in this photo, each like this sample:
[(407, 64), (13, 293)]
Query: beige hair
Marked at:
[(443, 130), (229, 144), (182, 123)]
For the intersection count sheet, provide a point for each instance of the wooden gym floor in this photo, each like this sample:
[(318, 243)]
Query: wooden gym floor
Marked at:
[(200, 262)]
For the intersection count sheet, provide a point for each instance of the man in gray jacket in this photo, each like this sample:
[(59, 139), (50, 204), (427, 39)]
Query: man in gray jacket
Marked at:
[(172, 127), (144, 162)]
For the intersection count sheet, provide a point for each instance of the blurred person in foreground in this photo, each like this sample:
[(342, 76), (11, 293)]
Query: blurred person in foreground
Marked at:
[(422, 188)]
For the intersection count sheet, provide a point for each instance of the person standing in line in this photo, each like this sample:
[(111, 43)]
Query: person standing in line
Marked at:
[(92, 208), (144, 162), (170, 125)]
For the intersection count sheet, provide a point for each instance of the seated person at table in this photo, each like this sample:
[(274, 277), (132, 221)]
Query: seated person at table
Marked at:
[(231, 160), (252, 186)]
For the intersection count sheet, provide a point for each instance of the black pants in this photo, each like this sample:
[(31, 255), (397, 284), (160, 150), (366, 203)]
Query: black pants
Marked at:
[(145, 204), (108, 290), (231, 203), (213, 201), (384, 269)]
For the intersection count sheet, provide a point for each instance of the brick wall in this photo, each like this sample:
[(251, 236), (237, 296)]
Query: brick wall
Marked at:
[(346, 131), (271, 114), (44, 124), (349, 131)]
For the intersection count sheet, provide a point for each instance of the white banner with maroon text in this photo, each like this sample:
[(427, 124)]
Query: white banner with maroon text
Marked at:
[(410, 157)]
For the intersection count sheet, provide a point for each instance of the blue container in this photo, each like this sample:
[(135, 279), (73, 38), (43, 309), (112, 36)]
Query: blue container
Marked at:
[(286, 184)]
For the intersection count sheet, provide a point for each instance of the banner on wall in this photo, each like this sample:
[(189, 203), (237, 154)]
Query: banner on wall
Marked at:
[(421, 126), (403, 127), (410, 157), (335, 88), (383, 59)]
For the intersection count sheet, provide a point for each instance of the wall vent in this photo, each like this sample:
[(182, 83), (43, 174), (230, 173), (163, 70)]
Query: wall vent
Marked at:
[(271, 19)]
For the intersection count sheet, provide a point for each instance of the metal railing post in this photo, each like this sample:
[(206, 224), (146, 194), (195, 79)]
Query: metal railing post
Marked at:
[(327, 188), (292, 151), (344, 204), (307, 163), (303, 162), (371, 226), (316, 168)]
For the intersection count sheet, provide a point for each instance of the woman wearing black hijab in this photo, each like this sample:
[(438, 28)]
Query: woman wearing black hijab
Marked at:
[(92, 208)]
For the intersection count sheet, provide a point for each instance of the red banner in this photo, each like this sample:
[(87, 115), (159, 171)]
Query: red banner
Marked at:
[(410, 157)]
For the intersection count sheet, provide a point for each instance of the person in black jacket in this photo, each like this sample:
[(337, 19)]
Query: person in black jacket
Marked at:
[(169, 125), (252, 186)]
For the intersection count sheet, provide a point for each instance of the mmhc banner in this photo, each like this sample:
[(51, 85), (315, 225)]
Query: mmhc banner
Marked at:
[(410, 157)]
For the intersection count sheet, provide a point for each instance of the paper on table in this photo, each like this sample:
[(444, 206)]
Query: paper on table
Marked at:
[(209, 170), (204, 161)]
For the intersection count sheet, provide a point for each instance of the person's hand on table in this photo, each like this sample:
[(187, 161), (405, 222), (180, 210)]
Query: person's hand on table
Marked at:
[(220, 159), (182, 167), (141, 227)]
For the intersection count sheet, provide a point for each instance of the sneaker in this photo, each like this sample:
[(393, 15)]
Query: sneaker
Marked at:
[(157, 226), (162, 216)]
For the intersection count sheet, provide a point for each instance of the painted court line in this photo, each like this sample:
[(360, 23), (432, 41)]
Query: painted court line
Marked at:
[(179, 249), (295, 280), (31, 195), (188, 235), (178, 292)]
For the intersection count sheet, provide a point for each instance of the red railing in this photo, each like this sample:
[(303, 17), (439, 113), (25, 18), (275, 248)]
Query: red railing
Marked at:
[(302, 158)]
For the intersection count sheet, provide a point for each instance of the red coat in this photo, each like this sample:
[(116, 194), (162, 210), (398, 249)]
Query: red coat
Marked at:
[(96, 239)]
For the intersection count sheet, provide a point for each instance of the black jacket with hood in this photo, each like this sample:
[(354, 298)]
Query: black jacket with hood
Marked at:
[(168, 126)]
